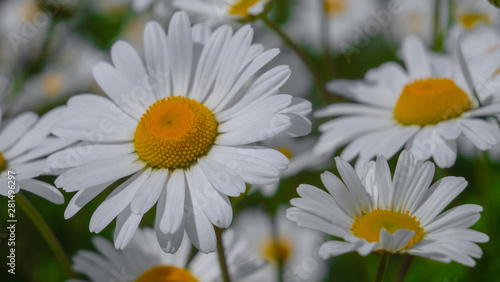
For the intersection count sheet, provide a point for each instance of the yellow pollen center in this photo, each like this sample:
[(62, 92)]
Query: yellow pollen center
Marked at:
[(241, 7), (335, 7), (166, 273), (52, 85), (175, 132), (285, 151), (3, 163), (471, 20), (273, 250), (370, 224), (430, 101)]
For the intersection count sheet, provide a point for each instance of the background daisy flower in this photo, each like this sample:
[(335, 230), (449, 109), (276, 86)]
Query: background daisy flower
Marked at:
[(400, 215), (182, 127), (144, 261), (214, 13), (424, 108), (279, 241), (25, 143)]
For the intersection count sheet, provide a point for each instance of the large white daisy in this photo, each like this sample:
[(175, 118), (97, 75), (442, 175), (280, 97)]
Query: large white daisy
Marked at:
[(144, 261), (183, 127), (399, 216), (25, 143), (424, 108), (214, 13), (279, 241)]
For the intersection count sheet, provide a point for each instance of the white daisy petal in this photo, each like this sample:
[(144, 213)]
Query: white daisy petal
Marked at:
[(126, 225), (169, 241), (180, 52), (43, 190), (149, 192), (222, 177), (174, 205), (354, 185), (156, 55), (83, 197), (395, 241), (416, 60), (15, 129), (335, 248)]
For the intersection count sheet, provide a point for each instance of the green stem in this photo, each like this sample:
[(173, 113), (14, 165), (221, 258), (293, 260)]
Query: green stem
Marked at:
[(46, 232), (405, 266), (438, 38), (383, 261), (222, 257), (318, 78)]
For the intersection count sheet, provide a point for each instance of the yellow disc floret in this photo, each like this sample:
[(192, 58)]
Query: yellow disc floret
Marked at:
[(3, 163), (241, 7), (430, 101), (369, 225), (471, 20), (285, 151), (166, 273), (335, 7), (276, 250), (175, 132)]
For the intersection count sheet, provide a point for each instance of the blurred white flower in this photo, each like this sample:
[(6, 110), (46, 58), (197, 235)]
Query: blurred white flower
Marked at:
[(144, 261), (23, 27), (417, 18), (182, 127), (68, 71), (278, 241), (424, 108), (25, 143), (398, 216), (345, 21), (217, 12)]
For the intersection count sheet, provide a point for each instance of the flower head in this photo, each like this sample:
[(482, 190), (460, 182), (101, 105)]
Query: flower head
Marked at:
[(179, 132), (144, 261), (400, 215), (424, 108)]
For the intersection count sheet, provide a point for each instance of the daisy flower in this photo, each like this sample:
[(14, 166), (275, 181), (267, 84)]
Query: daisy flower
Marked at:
[(470, 14), (416, 17), (278, 241), (182, 128), (214, 13), (424, 108), (67, 72), (376, 213), (21, 34), (25, 143), (144, 261), (300, 153), (344, 19)]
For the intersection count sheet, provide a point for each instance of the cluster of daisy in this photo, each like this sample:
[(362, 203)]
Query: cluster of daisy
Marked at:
[(191, 115)]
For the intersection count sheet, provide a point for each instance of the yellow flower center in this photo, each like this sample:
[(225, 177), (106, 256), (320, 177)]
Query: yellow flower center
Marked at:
[(3, 163), (273, 250), (52, 85), (335, 7), (166, 273), (430, 101), (241, 7), (29, 11), (471, 20), (369, 225), (175, 132), (285, 151)]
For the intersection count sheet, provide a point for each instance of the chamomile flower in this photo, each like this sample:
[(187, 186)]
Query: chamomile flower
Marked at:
[(415, 17), (214, 13), (424, 108), (67, 72), (470, 14), (278, 241), (144, 261), (182, 128), (399, 216), (345, 20), (300, 153), (25, 142), (23, 25)]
